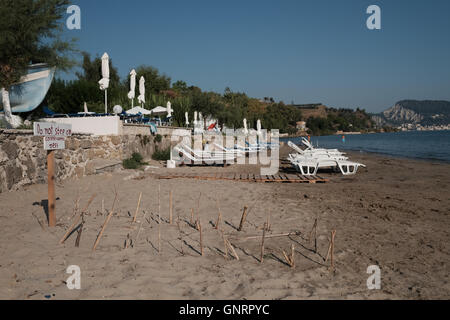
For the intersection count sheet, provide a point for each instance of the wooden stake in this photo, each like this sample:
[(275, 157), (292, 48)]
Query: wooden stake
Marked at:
[(262, 243), (69, 231), (159, 218), (232, 250), (269, 236), (219, 216), (51, 187), (104, 224), (198, 204), (244, 215), (137, 208), (331, 246), (332, 249), (170, 207), (292, 255), (225, 245), (314, 229), (201, 237), (139, 230), (197, 226), (289, 258), (77, 241), (159, 202), (268, 222)]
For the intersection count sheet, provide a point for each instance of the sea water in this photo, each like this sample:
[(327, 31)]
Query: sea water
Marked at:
[(427, 145)]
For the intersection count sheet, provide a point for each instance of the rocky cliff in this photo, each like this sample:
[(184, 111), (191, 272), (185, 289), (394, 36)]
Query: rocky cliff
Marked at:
[(426, 112)]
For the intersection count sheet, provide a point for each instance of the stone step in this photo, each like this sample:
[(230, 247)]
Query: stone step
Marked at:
[(106, 165)]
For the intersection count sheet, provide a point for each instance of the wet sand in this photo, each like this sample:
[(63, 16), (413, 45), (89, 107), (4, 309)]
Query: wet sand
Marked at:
[(394, 214)]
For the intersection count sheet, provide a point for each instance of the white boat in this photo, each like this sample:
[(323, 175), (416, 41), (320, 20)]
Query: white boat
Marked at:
[(30, 91)]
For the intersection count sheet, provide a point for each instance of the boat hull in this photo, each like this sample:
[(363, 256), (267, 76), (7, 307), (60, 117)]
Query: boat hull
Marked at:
[(29, 93)]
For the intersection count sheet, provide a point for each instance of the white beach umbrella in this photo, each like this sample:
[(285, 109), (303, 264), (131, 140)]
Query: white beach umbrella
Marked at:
[(258, 127), (195, 118), (137, 110), (159, 111), (169, 109), (132, 93), (187, 118), (245, 126), (141, 97), (85, 108), (104, 82)]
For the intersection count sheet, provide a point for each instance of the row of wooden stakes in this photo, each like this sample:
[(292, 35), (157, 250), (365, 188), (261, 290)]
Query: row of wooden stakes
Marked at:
[(77, 226)]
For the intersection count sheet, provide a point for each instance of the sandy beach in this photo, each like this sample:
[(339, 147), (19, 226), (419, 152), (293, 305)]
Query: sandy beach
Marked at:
[(394, 214)]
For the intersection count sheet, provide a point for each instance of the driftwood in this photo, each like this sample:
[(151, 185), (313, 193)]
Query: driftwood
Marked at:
[(99, 236)]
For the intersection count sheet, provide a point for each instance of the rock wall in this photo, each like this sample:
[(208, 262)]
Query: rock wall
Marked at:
[(23, 159)]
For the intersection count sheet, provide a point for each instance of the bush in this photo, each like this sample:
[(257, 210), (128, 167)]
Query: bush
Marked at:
[(161, 154), (137, 157), (158, 138), (135, 162)]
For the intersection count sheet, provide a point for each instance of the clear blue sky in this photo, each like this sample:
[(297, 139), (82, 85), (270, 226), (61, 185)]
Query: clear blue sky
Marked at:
[(301, 51)]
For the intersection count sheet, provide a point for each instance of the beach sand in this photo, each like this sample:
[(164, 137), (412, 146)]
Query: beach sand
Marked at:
[(394, 214)]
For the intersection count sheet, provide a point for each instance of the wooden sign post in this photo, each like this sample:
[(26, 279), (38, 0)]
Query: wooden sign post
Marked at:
[(54, 139)]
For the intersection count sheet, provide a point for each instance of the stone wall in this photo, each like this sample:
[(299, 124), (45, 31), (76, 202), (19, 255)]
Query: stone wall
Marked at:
[(23, 158)]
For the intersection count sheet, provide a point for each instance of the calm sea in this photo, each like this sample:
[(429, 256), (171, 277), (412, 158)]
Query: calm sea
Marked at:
[(427, 145)]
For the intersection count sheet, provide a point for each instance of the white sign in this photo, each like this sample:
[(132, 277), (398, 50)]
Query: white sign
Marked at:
[(54, 143), (49, 129)]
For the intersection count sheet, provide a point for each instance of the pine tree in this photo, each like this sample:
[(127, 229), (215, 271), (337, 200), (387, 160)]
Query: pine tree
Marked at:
[(30, 32)]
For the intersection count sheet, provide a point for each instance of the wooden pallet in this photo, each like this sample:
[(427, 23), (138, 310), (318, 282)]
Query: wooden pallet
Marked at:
[(277, 178)]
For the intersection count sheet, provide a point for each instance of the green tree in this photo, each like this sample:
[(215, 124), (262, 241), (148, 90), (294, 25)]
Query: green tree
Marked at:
[(30, 32), (92, 70), (155, 82)]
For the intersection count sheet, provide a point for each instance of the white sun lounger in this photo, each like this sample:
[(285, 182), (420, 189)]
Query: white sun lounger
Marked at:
[(314, 152), (195, 159), (310, 166), (237, 152), (210, 154), (309, 146)]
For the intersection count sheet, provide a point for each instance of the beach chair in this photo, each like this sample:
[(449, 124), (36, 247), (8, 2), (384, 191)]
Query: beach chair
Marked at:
[(238, 153), (306, 165), (315, 152), (194, 158), (226, 156)]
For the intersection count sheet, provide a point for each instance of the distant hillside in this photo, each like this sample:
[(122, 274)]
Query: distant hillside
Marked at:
[(427, 112)]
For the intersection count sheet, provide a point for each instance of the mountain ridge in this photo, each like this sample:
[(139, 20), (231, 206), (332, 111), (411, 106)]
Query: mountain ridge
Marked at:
[(423, 112)]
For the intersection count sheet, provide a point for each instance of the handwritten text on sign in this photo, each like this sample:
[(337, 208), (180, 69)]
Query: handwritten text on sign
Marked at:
[(47, 129), (54, 143)]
